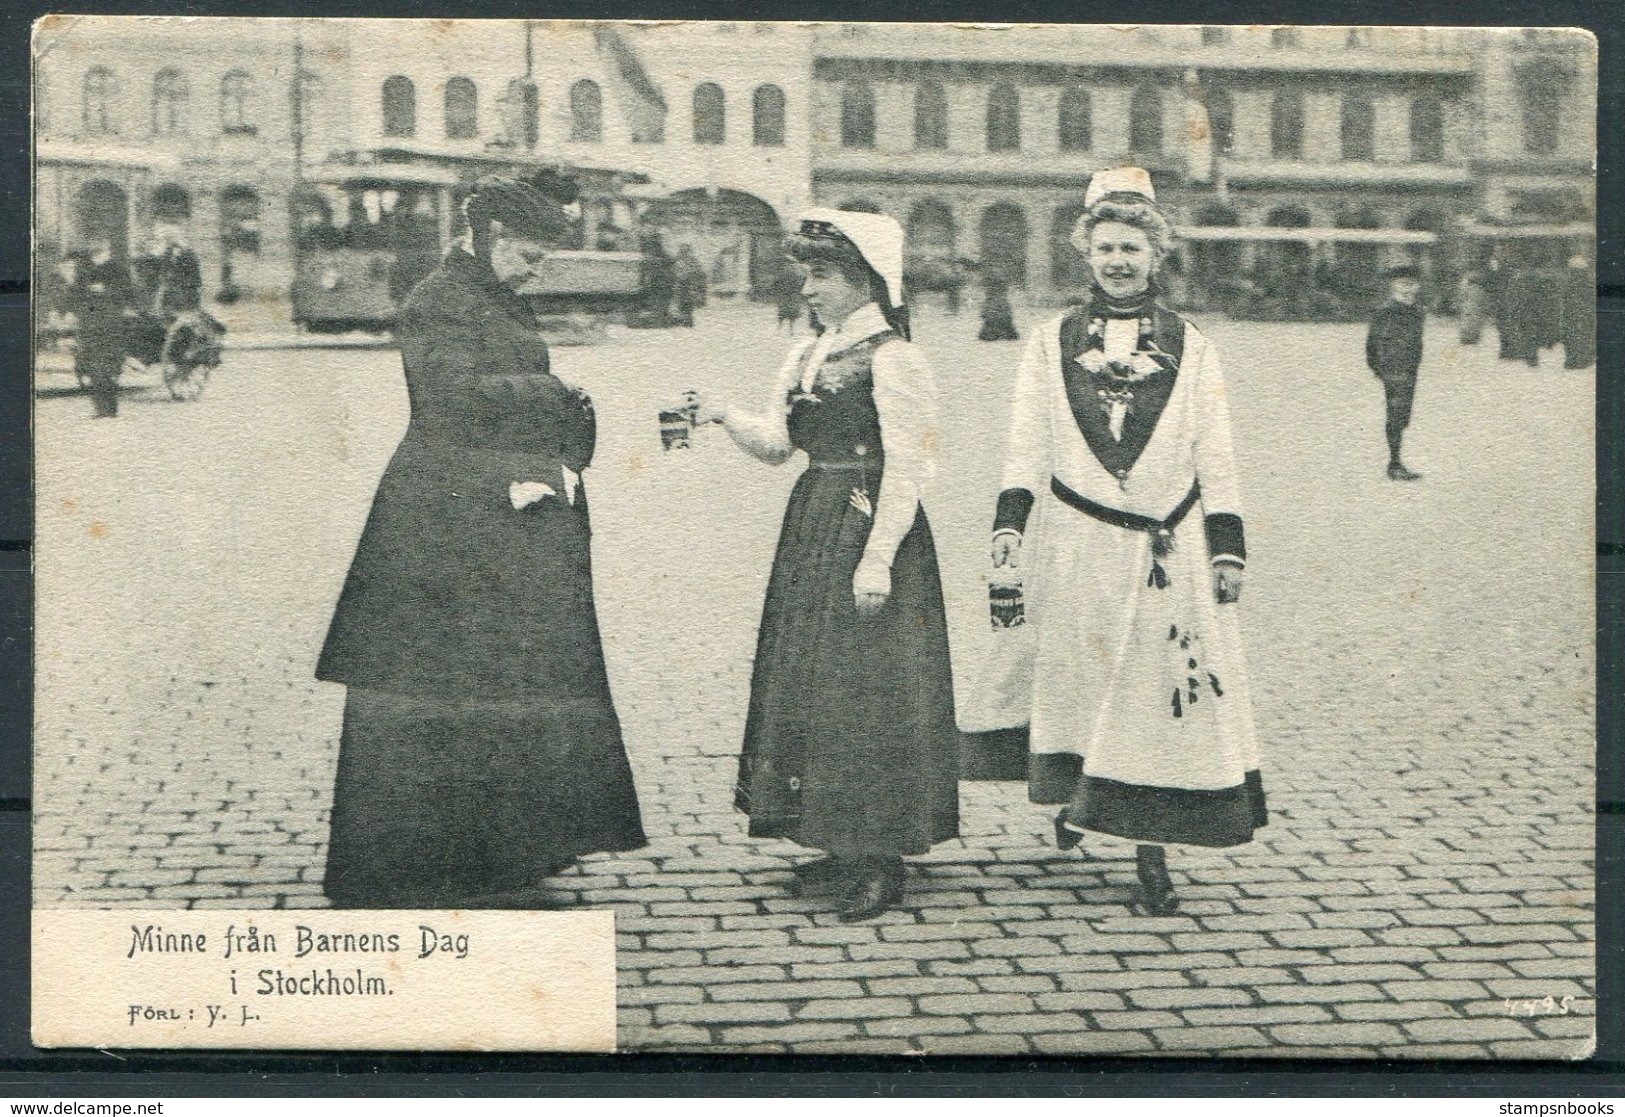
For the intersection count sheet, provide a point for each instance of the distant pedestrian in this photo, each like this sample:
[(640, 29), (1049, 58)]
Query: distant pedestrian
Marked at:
[(1393, 351), (1579, 315), (688, 284), (101, 297), (998, 319), (1472, 305)]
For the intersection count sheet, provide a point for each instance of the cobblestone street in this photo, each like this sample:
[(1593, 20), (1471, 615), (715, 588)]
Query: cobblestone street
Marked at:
[(1422, 662)]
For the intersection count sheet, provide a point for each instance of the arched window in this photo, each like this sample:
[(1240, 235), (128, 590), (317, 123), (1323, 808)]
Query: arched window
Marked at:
[(1540, 89), (1359, 261), (767, 116), (1427, 129), (1359, 128), (101, 101), (931, 116), (710, 114), (462, 105), (1003, 118), (240, 220), (170, 204), (237, 103), (930, 235), (1221, 120), (400, 105), (1076, 125), (857, 115), (1286, 124), (170, 91), (586, 112), (1289, 257), (1145, 121), (1004, 242)]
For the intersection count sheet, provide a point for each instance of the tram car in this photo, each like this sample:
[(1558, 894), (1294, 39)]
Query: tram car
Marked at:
[(368, 229)]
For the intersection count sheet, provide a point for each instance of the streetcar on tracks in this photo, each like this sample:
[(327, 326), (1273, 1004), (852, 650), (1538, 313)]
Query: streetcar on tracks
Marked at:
[(368, 227)]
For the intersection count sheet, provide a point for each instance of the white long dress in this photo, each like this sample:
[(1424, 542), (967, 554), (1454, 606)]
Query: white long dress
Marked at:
[(1141, 675)]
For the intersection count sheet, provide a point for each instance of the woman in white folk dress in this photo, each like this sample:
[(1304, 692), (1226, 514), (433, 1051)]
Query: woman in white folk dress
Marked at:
[(1141, 720)]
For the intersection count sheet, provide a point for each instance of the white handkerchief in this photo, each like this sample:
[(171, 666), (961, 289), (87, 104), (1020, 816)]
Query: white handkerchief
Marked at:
[(525, 493)]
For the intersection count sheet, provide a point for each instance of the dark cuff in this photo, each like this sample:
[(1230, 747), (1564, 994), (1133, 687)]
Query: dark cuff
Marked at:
[(1225, 536), (1014, 506)]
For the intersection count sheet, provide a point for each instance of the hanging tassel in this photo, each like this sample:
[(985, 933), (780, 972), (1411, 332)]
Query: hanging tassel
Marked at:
[(1173, 632), (1191, 696), (1158, 576), (1178, 710), (1213, 680), (1190, 664)]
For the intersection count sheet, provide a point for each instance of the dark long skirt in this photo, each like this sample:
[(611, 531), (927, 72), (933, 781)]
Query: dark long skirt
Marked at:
[(444, 804), (850, 743)]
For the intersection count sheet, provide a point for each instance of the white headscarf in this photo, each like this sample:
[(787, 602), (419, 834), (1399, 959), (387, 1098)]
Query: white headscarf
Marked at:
[(878, 239)]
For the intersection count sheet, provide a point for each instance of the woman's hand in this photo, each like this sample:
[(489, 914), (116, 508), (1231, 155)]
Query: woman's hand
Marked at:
[(1007, 548), (1227, 579), (871, 586)]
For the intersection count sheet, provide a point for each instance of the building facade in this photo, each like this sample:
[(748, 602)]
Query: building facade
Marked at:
[(1281, 152)]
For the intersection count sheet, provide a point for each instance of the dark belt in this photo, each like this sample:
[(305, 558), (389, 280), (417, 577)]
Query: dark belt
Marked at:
[(1128, 520), (853, 464)]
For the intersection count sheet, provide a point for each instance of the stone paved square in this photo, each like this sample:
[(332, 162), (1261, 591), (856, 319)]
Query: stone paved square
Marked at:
[(1422, 659)]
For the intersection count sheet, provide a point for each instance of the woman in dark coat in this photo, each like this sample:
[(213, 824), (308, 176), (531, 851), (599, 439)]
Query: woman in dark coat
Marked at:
[(480, 751), (850, 745)]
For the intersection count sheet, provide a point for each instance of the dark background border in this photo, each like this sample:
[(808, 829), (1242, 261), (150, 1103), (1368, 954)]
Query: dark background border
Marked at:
[(25, 1070)]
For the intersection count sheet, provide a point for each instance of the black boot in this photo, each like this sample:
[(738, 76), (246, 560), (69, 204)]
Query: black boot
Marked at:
[(818, 875), (1065, 837), (878, 887), (1156, 895)]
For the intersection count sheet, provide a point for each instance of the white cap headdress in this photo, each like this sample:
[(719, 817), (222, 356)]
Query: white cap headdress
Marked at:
[(1116, 180), (878, 239)]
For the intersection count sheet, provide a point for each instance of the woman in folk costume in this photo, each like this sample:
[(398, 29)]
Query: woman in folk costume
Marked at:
[(1141, 720), (850, 744), (480, 751)]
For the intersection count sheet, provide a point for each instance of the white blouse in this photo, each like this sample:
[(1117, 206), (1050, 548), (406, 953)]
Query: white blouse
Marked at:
[(905, 392)]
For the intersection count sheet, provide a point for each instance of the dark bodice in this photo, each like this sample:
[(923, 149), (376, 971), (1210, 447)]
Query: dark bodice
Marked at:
[(838, 421), (477, 371)]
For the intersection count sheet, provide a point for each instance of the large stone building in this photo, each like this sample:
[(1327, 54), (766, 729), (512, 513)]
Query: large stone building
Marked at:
[(1279, 151), (1326, 149)]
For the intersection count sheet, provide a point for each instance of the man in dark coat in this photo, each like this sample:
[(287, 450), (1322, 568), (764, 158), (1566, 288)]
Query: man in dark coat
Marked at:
[(170, 277), (1393, 351), (101, 298), (480, 750), (1579, 314)]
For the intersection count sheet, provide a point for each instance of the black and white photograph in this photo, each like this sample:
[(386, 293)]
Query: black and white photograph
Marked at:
[(992, 540)]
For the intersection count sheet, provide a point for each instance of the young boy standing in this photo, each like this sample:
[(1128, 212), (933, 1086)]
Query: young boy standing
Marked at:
[(1393, 350)]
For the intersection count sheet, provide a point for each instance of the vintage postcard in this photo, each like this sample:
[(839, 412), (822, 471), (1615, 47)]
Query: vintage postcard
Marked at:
[(862, 538)]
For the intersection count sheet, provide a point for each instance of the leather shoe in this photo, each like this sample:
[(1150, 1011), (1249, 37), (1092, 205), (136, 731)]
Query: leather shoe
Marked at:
[(876, 890), (817, 875), (1398, 472), (1066, 837)]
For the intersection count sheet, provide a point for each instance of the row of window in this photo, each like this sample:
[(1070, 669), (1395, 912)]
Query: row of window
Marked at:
[(1075, 121), (710, 111), (238, 102), (239, 99)]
